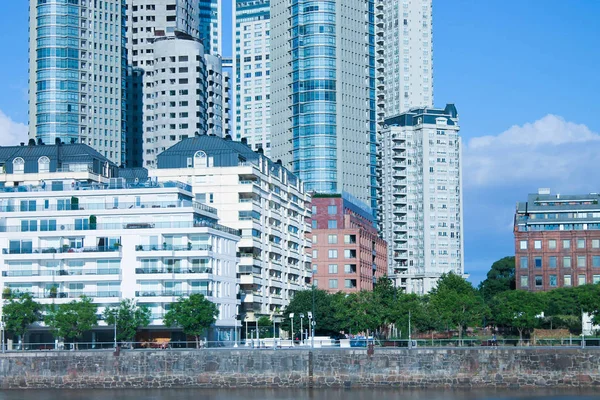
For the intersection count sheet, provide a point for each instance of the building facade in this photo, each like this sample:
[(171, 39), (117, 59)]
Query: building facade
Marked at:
[(77, 74), (405, 55), (252, 72), (421, 215), (218, 97), (210, 24), (347, 253), (178, 105), (557, 241), (263, 200), (323, 94), (69, 226)]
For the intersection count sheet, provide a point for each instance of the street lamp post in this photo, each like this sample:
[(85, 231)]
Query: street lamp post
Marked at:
[(301, 329), (235, 332), (311, 332), (2, 327), (292, 327)]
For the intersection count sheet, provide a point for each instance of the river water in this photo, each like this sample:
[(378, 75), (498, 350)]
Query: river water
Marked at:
[(289, 394)]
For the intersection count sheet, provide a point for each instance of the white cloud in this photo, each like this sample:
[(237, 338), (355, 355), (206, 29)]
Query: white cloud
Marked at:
[(550, 151), (11, 133)]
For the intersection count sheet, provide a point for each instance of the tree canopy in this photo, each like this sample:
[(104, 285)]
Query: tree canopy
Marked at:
[(129, 317), (518, 308), (500, 278), (19, 312), (194, 314), (72, 320)]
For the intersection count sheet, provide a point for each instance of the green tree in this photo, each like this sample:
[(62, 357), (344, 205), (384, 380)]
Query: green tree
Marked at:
[(518, 309), (72, 320), (385, 294), (589, 300), (19, 312), (500, 278), (410, 306), (358, 312), (194, 314), (562, 309), (129, 317), (456, 303), (324, 311)]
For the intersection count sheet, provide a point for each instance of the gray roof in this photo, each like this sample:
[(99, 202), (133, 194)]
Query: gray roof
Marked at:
[(225, 153), (59, 156)]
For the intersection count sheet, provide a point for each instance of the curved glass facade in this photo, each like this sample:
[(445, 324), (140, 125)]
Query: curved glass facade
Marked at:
[(314, 93), (57, 69)]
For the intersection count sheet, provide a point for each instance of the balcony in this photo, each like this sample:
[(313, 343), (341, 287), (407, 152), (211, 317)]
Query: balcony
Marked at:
[(168, 247), (62, 272), (64, 249), (199, 270), (171, 293), (75, 295)]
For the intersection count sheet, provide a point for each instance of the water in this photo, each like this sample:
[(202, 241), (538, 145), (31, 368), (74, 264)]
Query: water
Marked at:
[(290, 394)]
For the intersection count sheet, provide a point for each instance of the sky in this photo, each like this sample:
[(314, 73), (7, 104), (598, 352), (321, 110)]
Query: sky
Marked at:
[(524, 75)]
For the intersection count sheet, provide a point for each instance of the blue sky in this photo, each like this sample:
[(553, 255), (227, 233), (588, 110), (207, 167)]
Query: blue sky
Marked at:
[(524, 75)]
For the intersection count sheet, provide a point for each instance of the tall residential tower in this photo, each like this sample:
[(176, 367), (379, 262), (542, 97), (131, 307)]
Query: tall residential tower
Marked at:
[(252, 69), (323, 94), (421, 205), (77, 70)]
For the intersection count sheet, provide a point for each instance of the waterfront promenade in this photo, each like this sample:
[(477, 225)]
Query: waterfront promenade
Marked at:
[(497, 367)]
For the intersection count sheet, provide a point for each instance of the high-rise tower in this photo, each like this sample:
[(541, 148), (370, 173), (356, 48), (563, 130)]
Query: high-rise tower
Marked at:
[(323, 94), (252, 69), (77, 70)]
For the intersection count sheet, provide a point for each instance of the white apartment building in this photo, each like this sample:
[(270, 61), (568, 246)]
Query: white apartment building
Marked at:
[(77, 73), (178, 103), (69, 227), (405, 54), (421, 202), (263, 200), (252, 69), (218, 97)]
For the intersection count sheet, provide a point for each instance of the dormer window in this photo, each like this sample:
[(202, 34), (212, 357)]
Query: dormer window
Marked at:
[(18, 166), (43, 164), (200, 159)]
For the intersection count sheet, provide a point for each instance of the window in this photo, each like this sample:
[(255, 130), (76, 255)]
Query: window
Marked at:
[(333, 268), (43, 164), (332, 210), (333, 253), (580, 261), (314, 209), (18, 165), (567, 280), (523, 245), (595, 243), (200, 159), (566, 262), (332, 239), (580, 280), (552, 262), (537, 244), (349, 283), (566, 244), (596, 279), (349, 239), (523, 262), (539, 281), (349, 253), (315, 268), (553, 281), (596, 261), (524, 281), (581, 243), (315, 254), (349, 269), (314, 239), (552, 244), (332, 224), (333, 284), (29, 225), (538, 262), (315, 282), (314, 224)]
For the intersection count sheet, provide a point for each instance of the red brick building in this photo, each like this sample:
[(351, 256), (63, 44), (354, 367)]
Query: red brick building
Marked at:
[(557, 241), (348, 255)]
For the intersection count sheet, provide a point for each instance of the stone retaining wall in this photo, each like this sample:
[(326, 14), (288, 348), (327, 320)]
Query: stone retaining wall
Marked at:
[(478, 368)]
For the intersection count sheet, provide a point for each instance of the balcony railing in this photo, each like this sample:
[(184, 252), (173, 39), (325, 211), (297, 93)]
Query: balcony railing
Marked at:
[(62, 272), (201, 270), (67, 249), (171, 293), (169, 247), (110, 206), (74, 295)]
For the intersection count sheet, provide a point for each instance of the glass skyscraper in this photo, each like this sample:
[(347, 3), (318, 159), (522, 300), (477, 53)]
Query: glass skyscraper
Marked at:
[(323, 94), (77, 64), (210, 21)]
